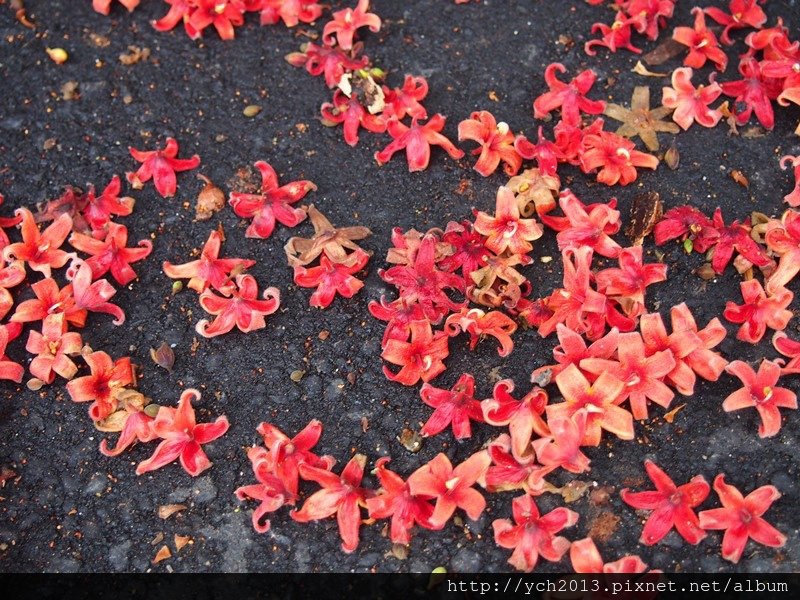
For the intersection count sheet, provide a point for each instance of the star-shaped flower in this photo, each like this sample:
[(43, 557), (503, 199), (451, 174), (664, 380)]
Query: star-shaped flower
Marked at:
[(640, 120), (160, 166), (760, 391)]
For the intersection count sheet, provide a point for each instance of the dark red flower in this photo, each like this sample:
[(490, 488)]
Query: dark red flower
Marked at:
[(727, 238), (455, 407), (97, 210), (399, 314), (329, 61), (468, 249), (532, 535), (240, 307), (614, 36), (741, 518), (99, 387), (271, 204), (402, 101), (161, 166), (671, 505), (341, 495), (570, 97), (760, 392), (752, 93), (681, 222), (417, 140), (183, 437), (395, 500)]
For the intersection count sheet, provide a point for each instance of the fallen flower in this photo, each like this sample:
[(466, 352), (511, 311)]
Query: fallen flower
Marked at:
[(506, 230), (420, 358), (417, 140), (341, 495), (53, 347), (671, 506), (97, 210), (269, 490), (496, 142), (760, 392), (586, 558), (332, 278), (793, 198), (640, 120), (479, 324), (91, 295), (690, 103), (40, 250), (532, 535), (332, 62), (743, 14), (351, 113), (99, 387), (522, 417), (333, 241), (455, 407), (615, 157), (759, 311), (783, 239), (50, 300), (741, 518), (160, 166), (346, 22), (238, 308), (271, 204), (562, 446), (570, 97), (9, 370), (111, 254), (183, 437), (614, 36), (702, 43)]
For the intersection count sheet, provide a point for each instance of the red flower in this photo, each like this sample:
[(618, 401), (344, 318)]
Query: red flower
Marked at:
[(104, 6), (496, 143), (269, 490), (759, 311), (727, 238), (789, 348), (161, 166), (92, 296), (40, 250), (586, 558), (417, 141), (273, 203), (709, 365), (753, 92), (576, 305), (533, 535), (239, 308), (572, 349), (468, 249), (562, 446), (601, 400), (759, 392), (183, 437), (478, 324), (641, 374), (681, 222), (783, 239), (508, 473), (11, 275), (671, 505), (616, 36), (546, 153), (224, 15), (97, 210), (680, 343), (402, 101), (506, 230), (570, 97), (583, 225), (291, 12), (627, 284), (49, 300), (352, 113), (522, 417), (648, 16), (399, 314), (340, 495), (420, 358), (793, 198), (327, 60), (690, 103), (289, 453), (456, 407), (330, 278), (615, 156), (107, 376), (111, 254), (395, 500), (423, 283), (744, 13), (52, 348), (702, 43), (9, 370), (741, 519), (138, 426), (208, 269), (452, 487), (345, 22)]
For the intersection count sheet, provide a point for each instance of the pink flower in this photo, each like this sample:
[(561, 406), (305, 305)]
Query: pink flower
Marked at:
[(690, 103), (616, 158), (91, 295), (238, 308), (183, 437), (417, 140), (99, 388), (586, 558), (53, 347), (111, 254), (352, 113), (332, 278), (506, 230), (616, 36), (496, 143), (741, 518), (160, 166), (420, 357), (570, 97), (9, 370), (40, 250), (759, 311), (743, 14), (760, 392), (455, 407), (346, 22), (702, 43), (522, 417)]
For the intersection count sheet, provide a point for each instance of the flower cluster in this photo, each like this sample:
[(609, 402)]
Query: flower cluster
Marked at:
[(645, 17)]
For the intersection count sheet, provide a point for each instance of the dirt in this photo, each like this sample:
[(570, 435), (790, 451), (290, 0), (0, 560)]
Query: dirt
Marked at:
[(70, 509)]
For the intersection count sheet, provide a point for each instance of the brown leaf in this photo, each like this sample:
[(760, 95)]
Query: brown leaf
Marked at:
[(181, 541), (574, 490), (5, 475), (670, 416), (163, 356), (411, 440), (672, 157), (740, 178), (113, 423), (134, 55), (210, 200), (165, 511), (663, 52), (159, 537), (162, 554), (646, 211), (604, 526), (640, 69)]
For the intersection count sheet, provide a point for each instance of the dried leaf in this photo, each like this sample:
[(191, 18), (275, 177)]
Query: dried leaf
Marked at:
[(754, 132), (251, 110), (740, 178), (670, 416), (400, 551), (134, 55), (574, 490), (113, 423), (57, 55), (159, 537), (663, 52), (69, 91), (34, 384), (296, 375), (640, 120), (672, 157), (210, 200), (163, 356), (364, 424), (5, 475), (411, 440), (640, 69), (165, 511), (162, 554), (181, 541), (646, 211), (705, 272)]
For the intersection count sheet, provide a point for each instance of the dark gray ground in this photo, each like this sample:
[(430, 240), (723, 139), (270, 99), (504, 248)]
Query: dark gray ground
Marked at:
[(71, 509)]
